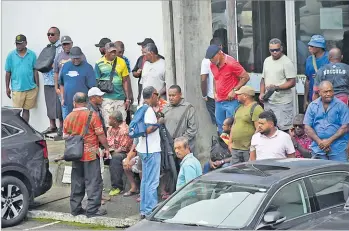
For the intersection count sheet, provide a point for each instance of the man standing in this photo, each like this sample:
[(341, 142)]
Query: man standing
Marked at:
[(180, 117), (153, 73), (300, 139), (86, 173), (190, 166), (335, 72), (95, 96), (326, 122), (121, 97), (23, 77), (229, 76), (149, 150), (118, 140), (278, 78), (120, 53), (245, 125), (269, 142), (53, 103), (207, 83), (317, 59), (101, 45), (76, 76)]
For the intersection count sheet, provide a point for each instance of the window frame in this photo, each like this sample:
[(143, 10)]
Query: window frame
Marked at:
[(3, 126)]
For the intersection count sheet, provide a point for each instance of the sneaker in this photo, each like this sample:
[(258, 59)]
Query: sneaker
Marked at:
[(99, 213), (114, 192)]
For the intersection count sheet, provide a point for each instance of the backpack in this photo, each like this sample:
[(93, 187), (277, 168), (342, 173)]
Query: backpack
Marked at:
[(219, 149), (251, 111), (46, 58), (137, 127)]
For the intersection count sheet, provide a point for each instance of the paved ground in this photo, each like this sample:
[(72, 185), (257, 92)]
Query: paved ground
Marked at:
[(55, 149)]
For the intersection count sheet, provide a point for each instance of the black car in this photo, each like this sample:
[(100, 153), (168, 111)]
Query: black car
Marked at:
[(24, 166), (264, 194)]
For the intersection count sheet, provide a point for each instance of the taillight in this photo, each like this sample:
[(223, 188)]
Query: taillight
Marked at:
[(43, 144)]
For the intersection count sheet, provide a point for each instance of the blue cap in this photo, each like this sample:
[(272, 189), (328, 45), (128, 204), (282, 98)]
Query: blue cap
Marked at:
[(212, 51), (317, 41)]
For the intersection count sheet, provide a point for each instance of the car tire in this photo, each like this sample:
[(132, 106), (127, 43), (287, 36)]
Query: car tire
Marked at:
[(16, 201)]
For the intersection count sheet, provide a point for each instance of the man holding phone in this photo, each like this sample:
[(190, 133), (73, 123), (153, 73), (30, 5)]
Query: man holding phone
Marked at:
[(300, 139)]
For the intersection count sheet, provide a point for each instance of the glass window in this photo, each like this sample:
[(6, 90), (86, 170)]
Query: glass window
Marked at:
[(7, 130), (292, 200), (328, 18), (330, 188), (213, 204)]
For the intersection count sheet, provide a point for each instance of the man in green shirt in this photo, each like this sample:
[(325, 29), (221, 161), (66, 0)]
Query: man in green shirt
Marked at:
[(245, 124)]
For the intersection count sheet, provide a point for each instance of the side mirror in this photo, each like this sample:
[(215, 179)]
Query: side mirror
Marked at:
[(271, 219)]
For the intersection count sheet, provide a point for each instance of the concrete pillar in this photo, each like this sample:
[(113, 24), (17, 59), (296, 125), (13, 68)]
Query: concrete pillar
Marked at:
[(187, 33)]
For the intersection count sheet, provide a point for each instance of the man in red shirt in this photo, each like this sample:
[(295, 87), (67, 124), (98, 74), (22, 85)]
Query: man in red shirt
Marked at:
[(300, 139), (229, 77), (86, 173)]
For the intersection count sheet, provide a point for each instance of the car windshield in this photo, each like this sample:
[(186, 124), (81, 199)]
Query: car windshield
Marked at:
[(213, 204)]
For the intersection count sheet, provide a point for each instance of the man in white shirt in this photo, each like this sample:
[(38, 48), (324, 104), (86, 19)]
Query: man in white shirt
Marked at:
[(153, 73), (269, 142), (207, 82), (149, 151)]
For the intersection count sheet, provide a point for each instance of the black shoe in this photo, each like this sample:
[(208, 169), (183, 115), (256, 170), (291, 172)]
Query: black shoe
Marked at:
[(81, 212), (99, 213), (49, 130), (60, 132)]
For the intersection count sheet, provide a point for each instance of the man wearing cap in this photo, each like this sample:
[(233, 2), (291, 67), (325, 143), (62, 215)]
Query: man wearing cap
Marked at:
[(245, 124), (121, 97), (101, 45), (317, 59), (300, 139), (229, 76), (76, 76), (95, 96), (23, 77), (53, 103)]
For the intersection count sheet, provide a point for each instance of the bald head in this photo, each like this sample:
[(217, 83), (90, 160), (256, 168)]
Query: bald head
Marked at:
[(80, 99), (325, 84), (119, 44), (335, 55), (326, 92), (120, 48)]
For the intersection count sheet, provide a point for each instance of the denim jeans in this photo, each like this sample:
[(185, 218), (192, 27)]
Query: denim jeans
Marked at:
[(342, 157), (150, 181), (225, 109), (210, 105), (207, 167)]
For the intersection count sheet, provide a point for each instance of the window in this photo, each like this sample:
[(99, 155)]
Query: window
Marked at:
[(292, 200), (328, 18), (330, 188), (7, 130)]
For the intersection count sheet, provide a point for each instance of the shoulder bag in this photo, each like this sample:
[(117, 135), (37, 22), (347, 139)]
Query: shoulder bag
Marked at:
[(107, 86)]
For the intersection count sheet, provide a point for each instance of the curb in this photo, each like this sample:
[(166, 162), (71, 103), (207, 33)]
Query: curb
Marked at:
[(67, 217)]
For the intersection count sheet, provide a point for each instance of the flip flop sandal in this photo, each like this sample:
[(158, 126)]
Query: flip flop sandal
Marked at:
[(129, 193)]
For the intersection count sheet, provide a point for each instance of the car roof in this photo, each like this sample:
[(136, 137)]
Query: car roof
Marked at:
[(265, 173)]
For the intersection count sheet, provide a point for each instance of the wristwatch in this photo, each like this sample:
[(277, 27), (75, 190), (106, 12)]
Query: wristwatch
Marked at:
[(204, 97), (296, 145), (222, 162)]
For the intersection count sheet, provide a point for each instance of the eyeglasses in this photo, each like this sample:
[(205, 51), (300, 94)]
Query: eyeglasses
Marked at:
[(300, 126), (50, 34), (275, 50), (155, 93)]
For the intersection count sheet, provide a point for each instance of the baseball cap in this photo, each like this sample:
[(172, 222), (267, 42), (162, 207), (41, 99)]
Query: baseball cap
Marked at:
[(66, 39), (246, 90), (75, 52), (20, 39), (146, 41), (102, 42), (317, 41), (109, 47), (298, 119), (211, 51), (95, 91)]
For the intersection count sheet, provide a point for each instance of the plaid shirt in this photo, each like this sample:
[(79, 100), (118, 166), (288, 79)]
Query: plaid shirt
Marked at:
[(305, 141), (118, 138), (75, 123)]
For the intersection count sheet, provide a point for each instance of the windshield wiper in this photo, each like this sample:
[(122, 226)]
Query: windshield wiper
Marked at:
[(196, 224), (157, 219)]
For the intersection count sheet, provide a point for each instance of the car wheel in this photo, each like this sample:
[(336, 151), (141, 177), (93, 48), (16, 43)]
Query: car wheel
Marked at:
[(14, 201)]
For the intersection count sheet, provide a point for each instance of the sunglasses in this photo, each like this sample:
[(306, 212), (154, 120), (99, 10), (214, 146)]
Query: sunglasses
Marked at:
[(50, 34), (299, 126), (275, 50)]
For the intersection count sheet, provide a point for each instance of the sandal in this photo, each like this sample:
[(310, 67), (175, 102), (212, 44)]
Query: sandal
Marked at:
[(129, 193)]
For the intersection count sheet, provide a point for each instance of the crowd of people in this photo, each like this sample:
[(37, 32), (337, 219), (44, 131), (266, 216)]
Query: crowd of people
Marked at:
[(249, 127)]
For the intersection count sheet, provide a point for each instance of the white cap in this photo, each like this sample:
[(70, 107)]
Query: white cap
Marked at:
[(95, 91)]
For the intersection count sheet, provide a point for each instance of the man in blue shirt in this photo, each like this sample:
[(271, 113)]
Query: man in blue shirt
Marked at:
[(21, 74), (319, 57), (190, 166), (326, 122), (76, 76)]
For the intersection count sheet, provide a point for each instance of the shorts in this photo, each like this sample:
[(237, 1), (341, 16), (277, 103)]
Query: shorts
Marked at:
[(136, 164), (284, 114), (25, 99), (109, 106)]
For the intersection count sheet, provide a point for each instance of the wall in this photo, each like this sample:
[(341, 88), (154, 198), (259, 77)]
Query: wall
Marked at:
[(86, 22)]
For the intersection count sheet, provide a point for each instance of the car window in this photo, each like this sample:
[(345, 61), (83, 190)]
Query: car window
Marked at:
[(292, 200), (330, 188), (7, 130)]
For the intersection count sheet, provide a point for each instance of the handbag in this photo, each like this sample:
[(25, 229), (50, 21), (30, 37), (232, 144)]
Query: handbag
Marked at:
[(107, 86), (74, 145), (46, 58)]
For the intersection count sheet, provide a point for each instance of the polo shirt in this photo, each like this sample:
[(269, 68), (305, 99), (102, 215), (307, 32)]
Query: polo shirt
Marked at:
[(278, 145), (190, 169), (327, 123), (22, 70), (226, 77), (102, 70)]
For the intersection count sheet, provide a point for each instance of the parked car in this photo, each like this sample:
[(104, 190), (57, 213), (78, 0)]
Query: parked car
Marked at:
[(24, 166), (265, 194)]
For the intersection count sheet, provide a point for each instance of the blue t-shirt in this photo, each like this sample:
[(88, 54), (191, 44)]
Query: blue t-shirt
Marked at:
[(76, 79), (310, 71), (22, 70)]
